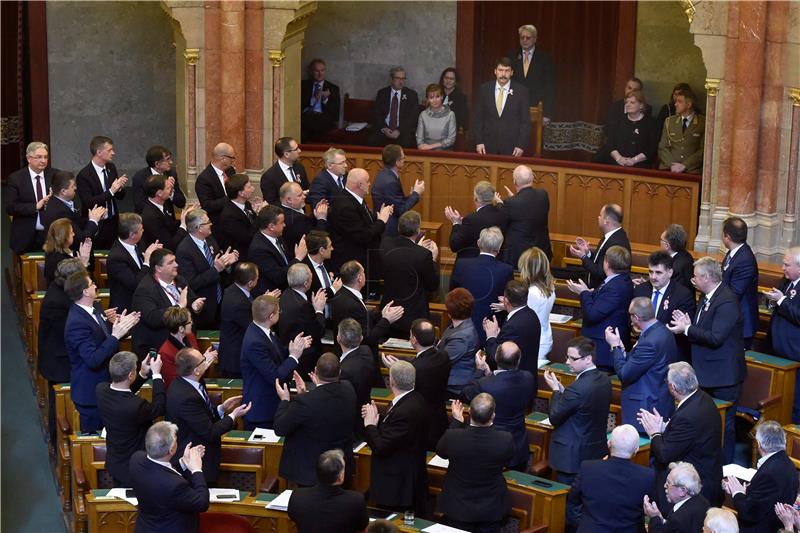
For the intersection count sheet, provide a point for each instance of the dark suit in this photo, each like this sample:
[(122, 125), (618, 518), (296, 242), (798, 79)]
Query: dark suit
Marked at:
[(784, 332), (203, 278), (314, 422), (643, 373), (526, 215), (92, 193), (409, 276), (594, 263), (774, 481), (355, 234), (464, 236), (316, 284), (683, 269), (540, 80), (740, 273), (82, 227), (139, 197), (168, 501), (124, 275), (513, 391), (692, 435), (388, 190), (298, 315), (485, 278), (314, 123), (126, 418), (211, 193), (161, 226), (674, 296), (151, 300), (54, 364), (460, 343), (236, 228), (398, 473), (358, 368), (335, 510), (273, 178), (235, 315), (433, 370), (501, 134), (611, 494), (272, 267), (325, 187), (524, 329), (689, 517), (607, 306), (374, 327), (21, 205), (262, 362), (457, 102), (474, 489), (407, 114), (51, 261), (298, 225), (580, 418), (197, 424)]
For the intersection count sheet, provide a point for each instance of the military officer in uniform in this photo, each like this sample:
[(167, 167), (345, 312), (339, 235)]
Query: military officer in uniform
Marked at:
[(681, 146)]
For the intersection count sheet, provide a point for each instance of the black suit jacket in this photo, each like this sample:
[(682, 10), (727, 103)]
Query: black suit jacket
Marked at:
[(689, 517), (683, 270), (126, 418), (474, 488), (741, 275), (675, 297), (357, 369), (51, 261), (501, 134), (407, 114), (775, 481), (784, 326), (124, 275), (540, 80), (694, 435), (91, 193), (274, 178), (139, 197), (168, 501), (335, 510), (298, 225), (211, 193), (161, 226), (409, 276), (457, 102), (21, 204), (203, 278), (398, 473), (316, 284), (355, 234), (151, 300), (54, 362), (464, 236), (236, 228), (81, 226), (433, 370), (197, 424), (235, 315), (325, 187), (594, 263), (525, 330), (298, 315), (580, 418), (272, 268), (314, 422), (374, 327), (526, 215)]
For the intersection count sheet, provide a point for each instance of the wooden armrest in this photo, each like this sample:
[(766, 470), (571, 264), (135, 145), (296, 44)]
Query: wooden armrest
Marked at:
[(270, 484), (80, 477), (768, 401), (63, 424)]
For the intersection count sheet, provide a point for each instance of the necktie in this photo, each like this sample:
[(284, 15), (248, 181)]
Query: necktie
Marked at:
[(340, 182), (599, 247), (210, 259), (499, 101), (173, 293), (366, 209), (99, 318), (316, 92), (656, 294), (39, 193), (526, 63), (395, 107), (279, 246), (137, 258), (727, 261), (294, 176), (701, 308), (204, 393), (685, 123), (110, 203), (325, 278)]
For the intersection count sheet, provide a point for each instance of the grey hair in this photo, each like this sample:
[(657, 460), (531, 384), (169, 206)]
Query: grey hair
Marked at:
[(721, 521), (484, 192), (403, 374), (710, 267), (490, 240), (160, 438), (794, 253), (121, 365), (193, 219), (297, 275), (685, 475), (643, 308), (682, 378), (770, 436), (35, 145), (330, 154), (349, 333), (395, 70), (624, 441), (65, 268), (530, 28), (523, 175)]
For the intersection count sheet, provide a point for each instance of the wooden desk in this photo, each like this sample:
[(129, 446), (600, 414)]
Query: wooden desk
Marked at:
[(793, 443), (781, 383)]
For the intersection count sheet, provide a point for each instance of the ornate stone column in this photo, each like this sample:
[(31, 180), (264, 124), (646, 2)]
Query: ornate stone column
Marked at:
[(254, 87), (232, 77), (276, 59), (192, 56), (704, 223), (790, 216)]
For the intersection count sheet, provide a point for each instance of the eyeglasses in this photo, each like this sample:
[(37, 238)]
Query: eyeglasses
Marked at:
[(231, 157), (577, 358), (398, 78), (205, 223), (295, 149)]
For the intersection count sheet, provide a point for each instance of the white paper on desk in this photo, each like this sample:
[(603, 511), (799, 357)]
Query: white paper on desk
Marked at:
[(441, 528), (542, 362), (555, 318), (263, 435), (439, 461), (214, 495), (394, 342), (357, 448), (119, 493), (356, 126), (546, 422), (745, 474), (103, 433), (281, 503)]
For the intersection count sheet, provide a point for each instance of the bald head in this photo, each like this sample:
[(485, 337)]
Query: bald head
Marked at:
[(624, 441), (358, 182), (523, 177), (223, 156), (481, 410)]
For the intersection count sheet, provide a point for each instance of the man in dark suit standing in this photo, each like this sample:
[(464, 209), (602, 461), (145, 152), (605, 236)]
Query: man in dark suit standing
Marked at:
[(643, 370), (388, 189), (610, 222), (265, 359), (210, 183), (302, 313), (201, 261), (316, 420), (159, 161), (62, 205), (774, 482), (269, 253), (168, 499), (331, 180), (692, 435), (189, 406), (358, 365), (27, 193), (526, 217), (327, 507), (514, 390), (410, 270), (127, 263), (502, 122), (99, 184), (125, 415), (90, 341), (394, 116), (687, 507), (740, 273), (158, 217), (235, 316), (285, 170), (579, 412), (483, 276), (320, 248), (237, 221), (521, 327), (610, 492), (715, 333), (534, 69), (298, 224), (673, 241), (667, 295), (474, 493), (466, 230), (319, 101), (785, 322), (398, 473)]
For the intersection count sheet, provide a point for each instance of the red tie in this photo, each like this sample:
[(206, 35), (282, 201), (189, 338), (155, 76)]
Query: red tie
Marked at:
[(39, 193), (393, 112)]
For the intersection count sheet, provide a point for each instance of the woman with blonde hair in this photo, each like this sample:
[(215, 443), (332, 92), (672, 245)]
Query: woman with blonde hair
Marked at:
[(58, 246), (534, 268)]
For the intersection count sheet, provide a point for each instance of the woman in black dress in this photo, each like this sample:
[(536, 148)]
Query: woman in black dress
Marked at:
[(632, 141), (58, 246), (454, 98)]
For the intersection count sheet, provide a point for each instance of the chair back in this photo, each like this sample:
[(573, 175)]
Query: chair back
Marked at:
[(537, 122)]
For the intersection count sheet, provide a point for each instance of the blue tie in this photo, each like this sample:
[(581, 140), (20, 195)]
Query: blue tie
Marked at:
[(210, 259), (656, 294)]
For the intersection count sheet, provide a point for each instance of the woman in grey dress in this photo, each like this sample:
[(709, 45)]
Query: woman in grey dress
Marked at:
[(436, 129)]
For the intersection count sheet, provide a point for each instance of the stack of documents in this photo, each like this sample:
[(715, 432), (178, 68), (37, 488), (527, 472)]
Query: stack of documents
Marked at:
[(356, 126), (120, 493), (263, 435), (439, 461), (281, 503), (745, 474), (397, 344), (223, 495)]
